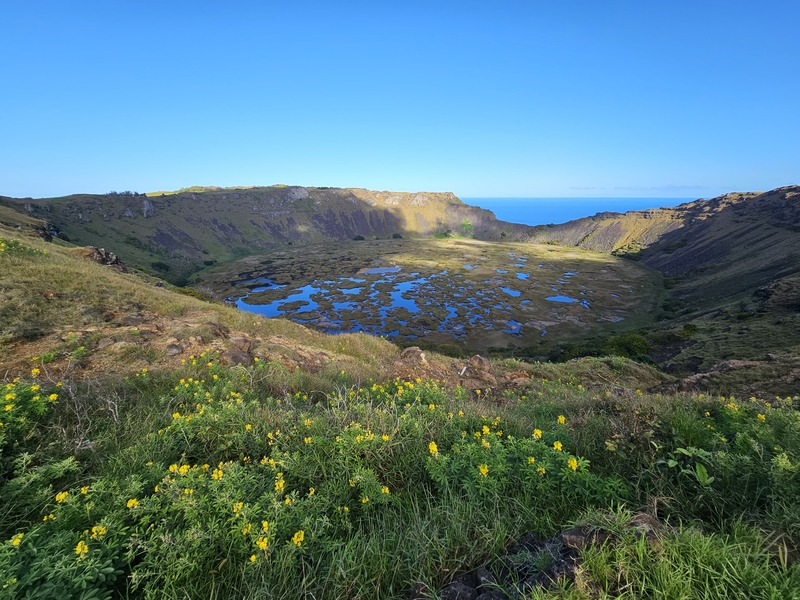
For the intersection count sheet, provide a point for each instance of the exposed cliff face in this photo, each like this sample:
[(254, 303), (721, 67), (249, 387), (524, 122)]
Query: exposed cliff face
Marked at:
[(177, 234)]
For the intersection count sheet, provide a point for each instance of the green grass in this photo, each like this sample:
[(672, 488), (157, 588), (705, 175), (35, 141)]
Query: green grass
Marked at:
[(174, 473), (125, 475)]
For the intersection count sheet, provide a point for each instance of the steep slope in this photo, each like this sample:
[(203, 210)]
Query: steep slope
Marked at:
[(177, 234), (732, 319), (716, 249)]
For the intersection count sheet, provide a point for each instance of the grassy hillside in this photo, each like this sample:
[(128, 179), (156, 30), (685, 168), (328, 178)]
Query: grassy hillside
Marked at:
[(715, 250), (731, 264), (174, 235), (154, 445)]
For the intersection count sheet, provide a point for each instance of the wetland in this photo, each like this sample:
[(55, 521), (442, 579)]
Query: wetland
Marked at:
[(446, 293)]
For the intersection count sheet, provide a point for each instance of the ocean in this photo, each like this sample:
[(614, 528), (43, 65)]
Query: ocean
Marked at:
[(542, 211)]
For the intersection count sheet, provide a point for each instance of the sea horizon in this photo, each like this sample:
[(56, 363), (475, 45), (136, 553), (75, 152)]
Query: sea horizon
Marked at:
[(553, 210)]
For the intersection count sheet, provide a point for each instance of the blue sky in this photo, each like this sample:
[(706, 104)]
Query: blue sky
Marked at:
[(505, 98)]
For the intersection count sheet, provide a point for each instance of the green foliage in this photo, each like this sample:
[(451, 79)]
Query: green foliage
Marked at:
[(13, 247), (206, 483), (691, 564), (160, 266)]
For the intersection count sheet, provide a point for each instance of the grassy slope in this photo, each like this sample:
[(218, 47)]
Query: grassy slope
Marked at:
[(176, 235), (717, 253), (731, 264), (127, 412)]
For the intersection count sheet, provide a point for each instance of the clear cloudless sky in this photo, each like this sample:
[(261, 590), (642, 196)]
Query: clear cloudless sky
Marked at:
[(686, 98)]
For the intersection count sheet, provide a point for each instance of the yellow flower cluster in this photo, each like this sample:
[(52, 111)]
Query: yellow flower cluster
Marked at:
[(98, 531), (298, 538), (433, 449)]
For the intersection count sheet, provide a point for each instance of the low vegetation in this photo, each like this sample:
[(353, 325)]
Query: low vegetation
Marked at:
[(158, 445), (203, 482)]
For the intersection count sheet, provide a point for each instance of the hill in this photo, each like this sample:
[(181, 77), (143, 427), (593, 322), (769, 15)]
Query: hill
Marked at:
[(728, 322), (715, 249), (175, 235), (153, 444), (731, 265)]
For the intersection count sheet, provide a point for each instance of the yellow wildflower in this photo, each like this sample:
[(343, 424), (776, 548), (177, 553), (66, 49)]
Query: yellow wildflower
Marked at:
[(298, 538), (85, 490), (385, 437), (365, 499), (253, 558), (17, 539), (537, 434), (561, 419), (279, 483), (483, 470), (264, 526), (9, 407), (433, 449), (247, 529), (98, 531), (572, 463), (248, 427), (541, 471), (557, 446), (531, 460), (82, 549), (307, 440), (132, 503), (216, 474), (35, 372), (262, 543), (385, 489), (61, 496), (762, 417)]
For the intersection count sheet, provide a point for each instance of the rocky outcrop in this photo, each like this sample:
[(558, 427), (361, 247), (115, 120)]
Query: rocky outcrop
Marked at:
[(102, 256)]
